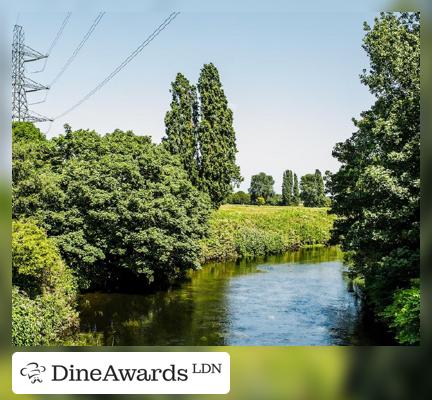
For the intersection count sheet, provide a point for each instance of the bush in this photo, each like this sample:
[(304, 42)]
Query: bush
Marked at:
[(403, 315), (237, 231), (260, 201), (275, 200), (37, 266), (121, 209), (43, 293), (44, 320)]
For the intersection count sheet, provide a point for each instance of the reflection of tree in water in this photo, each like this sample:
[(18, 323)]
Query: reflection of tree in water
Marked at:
[(193, 314), (344, 319), (197, 311), (355, 325), (308, 255)]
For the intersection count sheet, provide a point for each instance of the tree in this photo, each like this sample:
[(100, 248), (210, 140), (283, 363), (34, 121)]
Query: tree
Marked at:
[(218, 171), (312, 190), (239, 197), (67, 128), (296, 191), (261, 186), (121, 209), (275, 200), (181, 125), (27, 131), (376, 192), (202, 135), (32, 158), (320, 191), (287, 188), (308, 190)]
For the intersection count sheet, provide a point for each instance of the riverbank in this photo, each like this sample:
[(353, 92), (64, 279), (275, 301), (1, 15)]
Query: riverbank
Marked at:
[(240, 231)]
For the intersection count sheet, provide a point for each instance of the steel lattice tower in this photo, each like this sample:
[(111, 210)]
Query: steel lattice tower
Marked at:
[(21, 85)]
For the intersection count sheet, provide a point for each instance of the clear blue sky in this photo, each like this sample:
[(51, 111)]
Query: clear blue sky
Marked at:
[(291, 74)]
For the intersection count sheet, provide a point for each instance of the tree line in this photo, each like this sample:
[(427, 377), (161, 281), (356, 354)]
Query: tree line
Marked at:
[(310, 192)]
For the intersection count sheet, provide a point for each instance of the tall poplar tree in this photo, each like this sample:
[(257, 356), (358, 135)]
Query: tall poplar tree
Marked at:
[(217, 149), (181, 123), (320, 191), (287, 188), (296, 191)]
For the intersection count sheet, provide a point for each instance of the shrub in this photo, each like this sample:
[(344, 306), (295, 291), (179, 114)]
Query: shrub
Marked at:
[(275, 200), (237, 232), (43, 293), (26, 320), (403, 315), (37, 266), (260, 201), (44, 320)]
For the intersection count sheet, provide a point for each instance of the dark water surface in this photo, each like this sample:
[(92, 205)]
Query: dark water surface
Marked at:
[(299, 298)]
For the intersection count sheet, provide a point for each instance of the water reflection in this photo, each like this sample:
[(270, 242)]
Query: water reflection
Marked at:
[(299, 298)]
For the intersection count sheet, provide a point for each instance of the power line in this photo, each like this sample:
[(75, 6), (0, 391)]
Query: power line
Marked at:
[(74, 54), (127, 60), (79, 47), (54, 42)]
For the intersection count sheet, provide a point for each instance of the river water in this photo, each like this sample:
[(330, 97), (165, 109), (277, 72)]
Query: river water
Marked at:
[(299, 298)]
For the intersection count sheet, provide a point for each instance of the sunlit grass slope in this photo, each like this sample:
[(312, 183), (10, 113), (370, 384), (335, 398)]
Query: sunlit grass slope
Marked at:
[(247, 231)]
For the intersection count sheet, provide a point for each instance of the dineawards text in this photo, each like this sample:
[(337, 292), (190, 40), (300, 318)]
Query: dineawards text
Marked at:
[(112, 374)]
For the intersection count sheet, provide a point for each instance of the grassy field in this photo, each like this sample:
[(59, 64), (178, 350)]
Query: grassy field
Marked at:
[(238, 231)]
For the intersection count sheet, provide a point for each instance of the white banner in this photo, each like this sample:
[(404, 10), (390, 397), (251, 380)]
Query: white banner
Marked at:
[(120, 373)]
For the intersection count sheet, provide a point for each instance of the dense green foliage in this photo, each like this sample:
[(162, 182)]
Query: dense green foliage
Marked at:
[(202, 135), (181, 125), (261, 186), (290, 189), (376, 192), (239, 197), (117, 211), (218, 171), (320, 190), (248, 231), (403, 315), (37, 266), (296, 191), (120, 208), (287, 188), (44, 290), (275, 200), (312, 190)]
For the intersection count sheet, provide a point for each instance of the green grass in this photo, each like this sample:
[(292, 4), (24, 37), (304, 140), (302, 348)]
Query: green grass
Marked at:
[(238, 231)]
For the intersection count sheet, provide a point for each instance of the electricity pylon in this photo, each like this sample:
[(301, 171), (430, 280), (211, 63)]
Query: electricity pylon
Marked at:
[(21, 85)]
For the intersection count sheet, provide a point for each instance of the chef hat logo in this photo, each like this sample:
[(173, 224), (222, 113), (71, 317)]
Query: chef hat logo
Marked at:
[(32, 371)]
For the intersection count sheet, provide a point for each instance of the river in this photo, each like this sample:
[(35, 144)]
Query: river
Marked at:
[(298, 298)]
